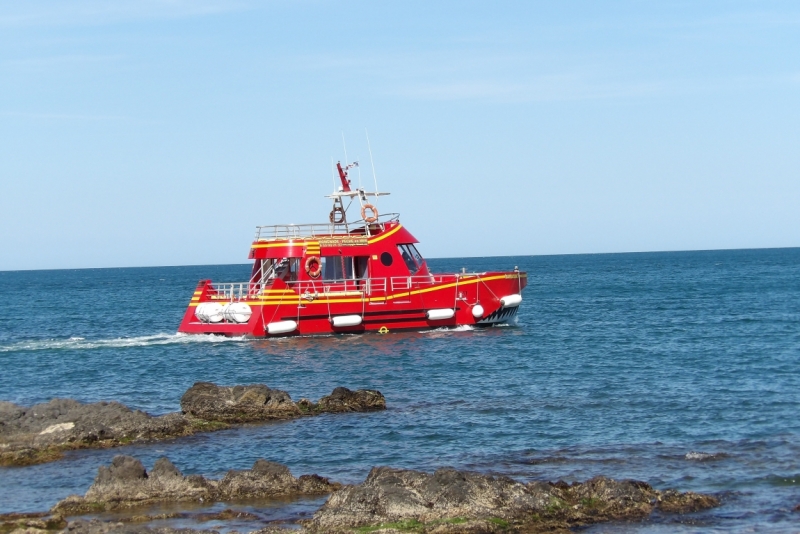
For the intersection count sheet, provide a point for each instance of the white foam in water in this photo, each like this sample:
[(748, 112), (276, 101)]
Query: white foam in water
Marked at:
[(459, 328), (699, 456), (79, 343)]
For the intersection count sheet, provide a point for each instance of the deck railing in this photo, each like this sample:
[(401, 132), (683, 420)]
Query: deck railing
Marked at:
[(311, 289), (297, 231)]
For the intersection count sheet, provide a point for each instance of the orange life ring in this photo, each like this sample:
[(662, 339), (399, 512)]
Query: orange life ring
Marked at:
[(315, 272), (372, 208), (333, 218)]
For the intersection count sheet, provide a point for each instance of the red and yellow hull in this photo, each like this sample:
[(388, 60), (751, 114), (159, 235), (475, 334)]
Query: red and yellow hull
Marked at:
[(380, 305)]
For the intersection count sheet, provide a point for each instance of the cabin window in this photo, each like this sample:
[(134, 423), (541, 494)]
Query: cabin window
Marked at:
[(386, 259), (408, 258), (361, 263), (337, 267), (417, 256)]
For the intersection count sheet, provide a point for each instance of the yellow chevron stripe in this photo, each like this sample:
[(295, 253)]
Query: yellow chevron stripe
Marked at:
[(384, 236), (277, 245)]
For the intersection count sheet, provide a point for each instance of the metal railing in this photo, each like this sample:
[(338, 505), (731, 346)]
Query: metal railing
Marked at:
[(297, 231), (311, 289), (235, 291)]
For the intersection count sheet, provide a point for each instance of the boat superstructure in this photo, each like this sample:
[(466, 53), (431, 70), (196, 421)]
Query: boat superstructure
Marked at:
[(343, 276)]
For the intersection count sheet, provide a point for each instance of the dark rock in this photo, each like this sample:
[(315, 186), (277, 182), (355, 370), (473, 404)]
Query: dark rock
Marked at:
[(306, 407), (30, 522), (683, 503), (126, 484), (238, 404), (39, 433), (270, 479), (42, 432), (122, 469), (457, 501), (345, 400), (164, 469)]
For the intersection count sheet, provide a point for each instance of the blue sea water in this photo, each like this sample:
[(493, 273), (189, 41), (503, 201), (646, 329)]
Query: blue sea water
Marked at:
[(681, 369)]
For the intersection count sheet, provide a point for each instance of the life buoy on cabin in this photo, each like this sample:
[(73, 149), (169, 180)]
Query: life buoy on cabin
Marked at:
[(333, 218), (313, 266), (373, 209)]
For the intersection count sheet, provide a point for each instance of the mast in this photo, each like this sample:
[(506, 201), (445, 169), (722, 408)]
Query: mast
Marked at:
[(343, 175)]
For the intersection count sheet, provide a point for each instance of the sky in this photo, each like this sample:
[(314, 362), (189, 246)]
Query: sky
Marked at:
[(161, 132)]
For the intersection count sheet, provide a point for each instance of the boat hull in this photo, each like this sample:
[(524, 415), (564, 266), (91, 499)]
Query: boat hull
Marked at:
[(407, 303)]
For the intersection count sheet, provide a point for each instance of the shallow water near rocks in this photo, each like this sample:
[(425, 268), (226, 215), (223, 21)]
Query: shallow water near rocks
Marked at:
[(680, 369)]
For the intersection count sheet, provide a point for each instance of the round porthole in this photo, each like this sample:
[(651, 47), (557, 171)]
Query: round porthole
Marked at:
[(386, 259)]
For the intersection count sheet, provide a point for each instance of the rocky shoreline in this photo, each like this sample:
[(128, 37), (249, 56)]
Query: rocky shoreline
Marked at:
[(41, 433), (389, 501)]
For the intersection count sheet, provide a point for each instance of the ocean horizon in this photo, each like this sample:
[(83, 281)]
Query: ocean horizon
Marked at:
[(443, 258)]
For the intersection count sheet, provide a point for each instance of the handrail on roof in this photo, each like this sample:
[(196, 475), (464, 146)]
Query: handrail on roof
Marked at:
[(296, 231)]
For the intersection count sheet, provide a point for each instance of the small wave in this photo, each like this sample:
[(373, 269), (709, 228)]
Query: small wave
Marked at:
[(783, 480), (704, 456), (79, 343)]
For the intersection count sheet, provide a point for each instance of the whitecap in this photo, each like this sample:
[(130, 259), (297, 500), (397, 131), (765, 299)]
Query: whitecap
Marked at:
[(701, 456)]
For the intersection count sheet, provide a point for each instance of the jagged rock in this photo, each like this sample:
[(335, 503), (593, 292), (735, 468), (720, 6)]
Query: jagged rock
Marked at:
[(675, 502), (237, 404), (457, 501), (345, 400), (30, 522), (127, 484), (42, 432), (270, 479)]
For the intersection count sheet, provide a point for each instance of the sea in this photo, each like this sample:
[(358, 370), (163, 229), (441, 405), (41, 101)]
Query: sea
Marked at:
[(681, 369)]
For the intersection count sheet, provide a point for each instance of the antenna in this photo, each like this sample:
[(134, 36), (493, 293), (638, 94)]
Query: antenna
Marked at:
[(345, 149), (372, 162), (359, 176)]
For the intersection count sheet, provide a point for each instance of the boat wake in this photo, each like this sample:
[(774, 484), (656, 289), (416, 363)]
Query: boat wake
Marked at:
[(459, 328), (79, 343)]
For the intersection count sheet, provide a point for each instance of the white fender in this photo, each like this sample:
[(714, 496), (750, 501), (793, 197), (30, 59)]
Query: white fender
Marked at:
[(346, 320), (511, 301), (282, 327), (477, 311), (440, 314), (237, 312)]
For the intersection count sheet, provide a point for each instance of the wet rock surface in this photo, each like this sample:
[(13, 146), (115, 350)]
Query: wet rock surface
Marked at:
[(345, 400), (457, 501), (40, 433), (237, 404), (127, 484), (389, 500)]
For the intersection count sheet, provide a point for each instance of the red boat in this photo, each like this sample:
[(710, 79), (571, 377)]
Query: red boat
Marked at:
[(343, 277)]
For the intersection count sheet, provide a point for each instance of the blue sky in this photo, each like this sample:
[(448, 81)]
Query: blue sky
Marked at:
[(162, 132)]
